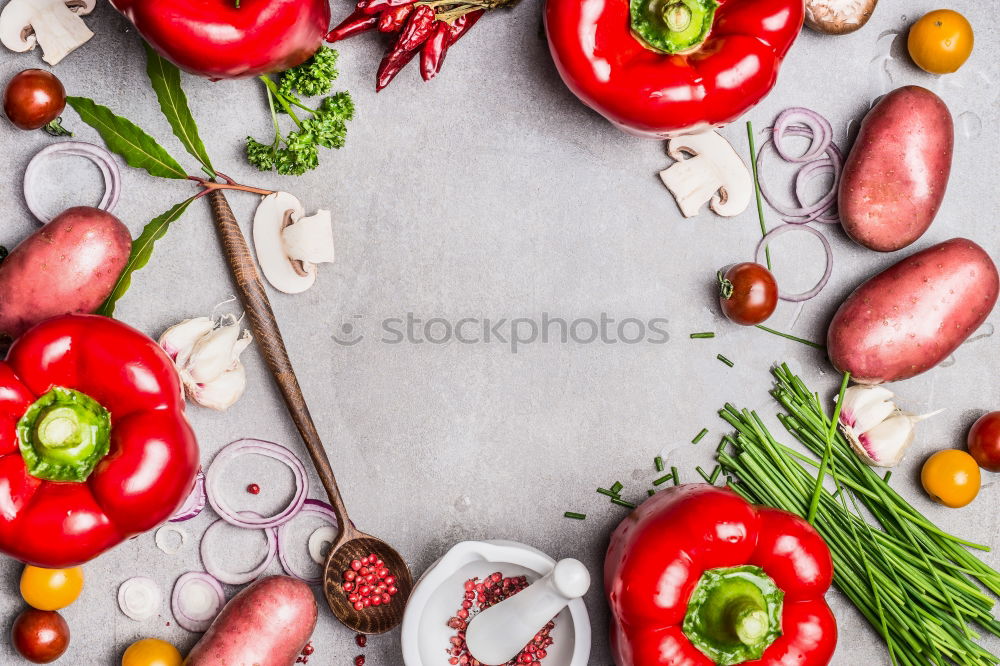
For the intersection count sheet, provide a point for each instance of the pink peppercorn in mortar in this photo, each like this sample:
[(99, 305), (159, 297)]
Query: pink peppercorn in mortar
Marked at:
[(480, 595)]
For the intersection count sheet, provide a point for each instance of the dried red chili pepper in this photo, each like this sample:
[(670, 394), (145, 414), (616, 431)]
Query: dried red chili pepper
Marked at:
[(418, 29), (372, 7), (393, 61), (392, 20), (435, 48), (461, 25), (354, 24)]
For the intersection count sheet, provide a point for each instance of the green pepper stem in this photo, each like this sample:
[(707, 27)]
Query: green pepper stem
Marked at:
[(672, 26), (748, 620), (63, 435), (677, 16)]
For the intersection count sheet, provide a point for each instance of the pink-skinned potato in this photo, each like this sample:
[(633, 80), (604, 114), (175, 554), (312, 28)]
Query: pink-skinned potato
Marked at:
[(266, 624), (913, 315), (70, 265), (896, 174)]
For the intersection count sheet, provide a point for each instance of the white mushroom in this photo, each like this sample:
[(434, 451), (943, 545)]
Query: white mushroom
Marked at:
[(288, 244), (838, 17), (712, 172), (55, 25)]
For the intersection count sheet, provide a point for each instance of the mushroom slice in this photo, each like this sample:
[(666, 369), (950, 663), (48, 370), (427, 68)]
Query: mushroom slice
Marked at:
[(707, 170), (55, 25), (288, 244), (838, 17)]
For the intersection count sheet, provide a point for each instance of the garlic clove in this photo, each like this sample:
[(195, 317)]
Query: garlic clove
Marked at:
[(885, 444), (180, 338), (222, 392), (859, 398), (871, 416), (217, 351)]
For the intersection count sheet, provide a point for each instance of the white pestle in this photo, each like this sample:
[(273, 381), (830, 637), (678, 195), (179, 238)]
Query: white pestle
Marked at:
[(497, 634)]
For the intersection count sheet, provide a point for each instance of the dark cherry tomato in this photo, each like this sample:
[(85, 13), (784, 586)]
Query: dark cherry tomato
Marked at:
[(33, 99), (748, 293), (40, 636), (984, 441)]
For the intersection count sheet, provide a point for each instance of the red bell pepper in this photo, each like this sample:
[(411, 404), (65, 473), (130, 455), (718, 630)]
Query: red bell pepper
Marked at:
[(697, 576), (667, 67), (226, 39), (94, 445)]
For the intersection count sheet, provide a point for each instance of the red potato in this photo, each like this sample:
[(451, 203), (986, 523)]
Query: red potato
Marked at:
[(910, 317), (266, 624), (69, 265), (895, 176)]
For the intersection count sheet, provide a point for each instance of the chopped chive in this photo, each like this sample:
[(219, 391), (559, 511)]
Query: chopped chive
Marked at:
[(575, 516), (658, 463), (616, 488), (888, 475), (756, 187), (788, 336), (663, 479), (722, 446), (725, 360), (715, 474), (702, 473), (676, 475), (621, 502), (605, 491), (700, 436), (702, 336), (650, 492)]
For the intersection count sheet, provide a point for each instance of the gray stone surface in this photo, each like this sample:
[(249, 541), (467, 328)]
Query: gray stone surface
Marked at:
[(492, 193)]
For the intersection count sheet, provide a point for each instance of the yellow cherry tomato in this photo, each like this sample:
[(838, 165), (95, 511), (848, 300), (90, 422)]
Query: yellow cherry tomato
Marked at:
[(941, 41), (151, 652), (51, 589), (951, 477)]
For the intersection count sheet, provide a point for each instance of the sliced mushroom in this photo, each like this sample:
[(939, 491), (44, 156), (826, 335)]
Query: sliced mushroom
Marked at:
[(55, 25), (707, 171), (838, 17), (288, 244)]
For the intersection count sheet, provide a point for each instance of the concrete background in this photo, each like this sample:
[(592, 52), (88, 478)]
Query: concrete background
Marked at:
[(492, 193)]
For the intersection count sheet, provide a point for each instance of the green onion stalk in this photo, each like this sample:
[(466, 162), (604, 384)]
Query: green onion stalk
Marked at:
[(918, 586)]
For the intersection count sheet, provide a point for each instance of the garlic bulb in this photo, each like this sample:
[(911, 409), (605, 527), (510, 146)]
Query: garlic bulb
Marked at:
[(207, 357), (879, 431)]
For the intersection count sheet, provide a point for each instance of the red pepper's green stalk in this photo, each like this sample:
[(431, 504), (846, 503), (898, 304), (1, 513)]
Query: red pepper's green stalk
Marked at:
[(63, 435), (734, 614), (673, 26)]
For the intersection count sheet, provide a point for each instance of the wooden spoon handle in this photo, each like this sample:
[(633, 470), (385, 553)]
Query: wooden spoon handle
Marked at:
[(268, 335)]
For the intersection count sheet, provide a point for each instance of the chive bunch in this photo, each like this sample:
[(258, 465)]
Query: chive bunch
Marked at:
[(919, 587)]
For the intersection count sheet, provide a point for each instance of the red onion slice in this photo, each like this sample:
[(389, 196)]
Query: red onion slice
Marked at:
[(783, 229), (319, 508), (194, 503), (229, 577), (825, 202), (196, 600), (139, 598), (815, 126), (99, 156), (161, 538), (259, 447)]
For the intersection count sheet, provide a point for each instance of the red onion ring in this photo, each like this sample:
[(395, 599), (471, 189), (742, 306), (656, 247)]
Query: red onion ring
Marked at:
[(195, 502), (816, 127), (196, 619), (825, 202), (161, 538), (99, 156), (261, 448), (318, 507), (213, 568), (785, 228)]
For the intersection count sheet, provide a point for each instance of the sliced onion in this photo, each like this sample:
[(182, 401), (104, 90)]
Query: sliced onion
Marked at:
[(194, 503), (139, 598), (783, 229), (196, 600), (259, 447), (213, 567), (324, 536), (815, 126), (99, 156), (325, 511), (826, 201), (161, 539)]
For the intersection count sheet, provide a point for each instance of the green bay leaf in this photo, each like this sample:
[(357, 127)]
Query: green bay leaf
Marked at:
[(124, 137)]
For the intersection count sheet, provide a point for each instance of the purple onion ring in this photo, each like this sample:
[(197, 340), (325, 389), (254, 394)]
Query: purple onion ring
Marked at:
[(783, 229), (99, 156)]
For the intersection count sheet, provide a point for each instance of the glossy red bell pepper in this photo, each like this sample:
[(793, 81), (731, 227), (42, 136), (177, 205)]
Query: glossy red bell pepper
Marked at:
[(697, 576), (666, 67), (225, 39), (94, 445)]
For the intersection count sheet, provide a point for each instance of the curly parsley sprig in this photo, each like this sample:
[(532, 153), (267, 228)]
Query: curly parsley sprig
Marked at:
[(325, 126)]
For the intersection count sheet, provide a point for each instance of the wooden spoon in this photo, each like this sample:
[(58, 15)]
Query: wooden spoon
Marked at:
[(351, 544)]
